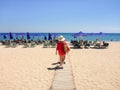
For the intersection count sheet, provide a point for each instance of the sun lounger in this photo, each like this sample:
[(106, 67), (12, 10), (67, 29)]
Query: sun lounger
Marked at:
[(32, 44), (14, 45), (105, 45), (53, 45), (25, 45), (98, 46), (45, 44)]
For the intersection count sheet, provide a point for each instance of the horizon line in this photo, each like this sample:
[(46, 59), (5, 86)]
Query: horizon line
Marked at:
[(58, 32)]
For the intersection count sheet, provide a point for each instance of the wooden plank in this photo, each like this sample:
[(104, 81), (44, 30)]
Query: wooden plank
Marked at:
[(63, 79)]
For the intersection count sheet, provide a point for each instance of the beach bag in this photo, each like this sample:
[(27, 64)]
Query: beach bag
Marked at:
[(66, 48)]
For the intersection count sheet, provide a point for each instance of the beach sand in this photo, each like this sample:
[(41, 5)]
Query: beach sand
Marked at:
[(97, 69), (26, 68)]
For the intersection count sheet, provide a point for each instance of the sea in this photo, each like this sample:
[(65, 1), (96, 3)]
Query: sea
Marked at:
[(68, 36)]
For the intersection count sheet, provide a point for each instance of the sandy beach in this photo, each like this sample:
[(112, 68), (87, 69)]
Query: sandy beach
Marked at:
[(26, 68), (97, 69)]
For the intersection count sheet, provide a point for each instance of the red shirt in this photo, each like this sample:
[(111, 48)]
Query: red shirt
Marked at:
[(60, 48)]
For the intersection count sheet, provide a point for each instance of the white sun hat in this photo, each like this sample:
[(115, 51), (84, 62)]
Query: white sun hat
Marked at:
[(61, 38)]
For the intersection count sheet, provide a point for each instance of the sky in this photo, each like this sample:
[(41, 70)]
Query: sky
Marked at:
[(60, 16)]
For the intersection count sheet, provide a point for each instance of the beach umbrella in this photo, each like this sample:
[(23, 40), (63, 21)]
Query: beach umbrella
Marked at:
[(97, 34), (49, 36), (28, 35), (45, 38), (79, 34), (10, 35), (4, 37), (101, 33)]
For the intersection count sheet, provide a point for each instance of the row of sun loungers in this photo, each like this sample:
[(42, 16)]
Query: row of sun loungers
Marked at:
[(49, 44), (27, 44), (89, 44), (52, 44)]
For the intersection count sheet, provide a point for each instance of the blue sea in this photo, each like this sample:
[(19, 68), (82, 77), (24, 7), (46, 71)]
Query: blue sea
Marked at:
[(68, 36)]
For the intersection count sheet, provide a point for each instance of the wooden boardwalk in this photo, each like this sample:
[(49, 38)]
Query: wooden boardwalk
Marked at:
[(63, 79)]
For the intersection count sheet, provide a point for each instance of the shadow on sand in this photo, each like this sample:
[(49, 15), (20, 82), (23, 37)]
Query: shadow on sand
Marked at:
[(56, 63), (56, 67)]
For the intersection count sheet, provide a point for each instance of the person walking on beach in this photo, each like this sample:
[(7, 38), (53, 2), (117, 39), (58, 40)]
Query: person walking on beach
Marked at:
[(62, 48)]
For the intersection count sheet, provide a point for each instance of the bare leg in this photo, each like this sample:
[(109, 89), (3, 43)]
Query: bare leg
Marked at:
[(61, 60)]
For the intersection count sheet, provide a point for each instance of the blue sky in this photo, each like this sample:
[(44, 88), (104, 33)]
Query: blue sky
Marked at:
[(60, 16)]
